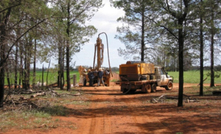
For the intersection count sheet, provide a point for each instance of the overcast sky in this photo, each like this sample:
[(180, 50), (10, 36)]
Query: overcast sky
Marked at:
[(105, 21)]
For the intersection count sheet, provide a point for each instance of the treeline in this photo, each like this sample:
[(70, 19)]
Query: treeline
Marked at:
[(36, 30), (175, 34)]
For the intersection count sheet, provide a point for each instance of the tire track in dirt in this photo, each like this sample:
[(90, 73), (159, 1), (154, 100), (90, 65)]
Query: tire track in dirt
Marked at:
[(100, 123), (130, 117), (152, 123), (119, 115)]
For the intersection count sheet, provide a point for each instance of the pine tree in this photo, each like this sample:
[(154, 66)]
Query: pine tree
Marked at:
[(74, 15)]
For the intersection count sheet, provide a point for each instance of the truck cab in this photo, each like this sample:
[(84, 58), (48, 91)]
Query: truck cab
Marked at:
[(163, 79)]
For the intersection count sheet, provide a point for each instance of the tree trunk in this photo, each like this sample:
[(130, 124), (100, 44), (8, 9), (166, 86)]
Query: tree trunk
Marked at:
[(2, 72), (16, 65), (67, 50), (212, 51), (142, 36), (201, 54), (61, 66), (181, 44), (42, 77), (34, 68), (24, 80), (3, 34), (21, 64), (29, 60)]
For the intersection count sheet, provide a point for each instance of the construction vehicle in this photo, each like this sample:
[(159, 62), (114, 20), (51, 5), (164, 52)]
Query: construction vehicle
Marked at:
[(145, 76), (97, 63)]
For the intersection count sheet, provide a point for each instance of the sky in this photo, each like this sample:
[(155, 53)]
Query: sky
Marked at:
[(105, 20)]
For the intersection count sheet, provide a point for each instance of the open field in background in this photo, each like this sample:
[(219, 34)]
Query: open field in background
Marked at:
[(194, 76), (52, 77), (189, 76)]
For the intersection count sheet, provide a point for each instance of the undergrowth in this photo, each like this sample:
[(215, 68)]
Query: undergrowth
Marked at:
[(23, 116)]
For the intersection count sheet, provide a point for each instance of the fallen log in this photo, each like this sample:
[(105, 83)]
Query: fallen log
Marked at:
[(38, 94), (159, 99), (218, 93)]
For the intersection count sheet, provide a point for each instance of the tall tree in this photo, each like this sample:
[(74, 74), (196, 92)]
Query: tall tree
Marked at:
[(201, 47), (5, 12), (7, 30), (212, 16), (135, 32), (74, 14), (170, 16)]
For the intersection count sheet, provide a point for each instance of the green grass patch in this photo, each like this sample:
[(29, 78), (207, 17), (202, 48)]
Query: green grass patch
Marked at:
[(194, 76), (189, 76), (23, 119), (51, 77), (56, 110), (30, 119)]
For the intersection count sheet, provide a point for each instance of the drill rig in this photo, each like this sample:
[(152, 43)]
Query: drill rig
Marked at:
[(98, 61)]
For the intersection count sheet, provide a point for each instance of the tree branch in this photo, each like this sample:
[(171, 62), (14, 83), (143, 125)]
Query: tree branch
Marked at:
[(11, 7), (166, 28), (169, 31), (4, 60)]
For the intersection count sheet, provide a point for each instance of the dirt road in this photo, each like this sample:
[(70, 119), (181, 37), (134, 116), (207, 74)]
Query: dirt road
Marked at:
[(108, 111)]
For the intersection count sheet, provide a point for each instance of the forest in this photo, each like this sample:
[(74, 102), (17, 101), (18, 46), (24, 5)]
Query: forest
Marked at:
[(176, 34)]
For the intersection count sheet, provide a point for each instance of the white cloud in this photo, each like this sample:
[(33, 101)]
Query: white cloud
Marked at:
[(105, 21), (105, 18)]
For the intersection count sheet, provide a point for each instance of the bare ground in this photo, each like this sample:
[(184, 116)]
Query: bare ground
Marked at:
[(111, 112)]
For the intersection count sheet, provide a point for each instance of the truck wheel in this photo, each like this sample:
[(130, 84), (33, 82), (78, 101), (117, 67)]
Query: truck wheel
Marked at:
[(127, 89), (169, 85), (153, 88), (146, 88)]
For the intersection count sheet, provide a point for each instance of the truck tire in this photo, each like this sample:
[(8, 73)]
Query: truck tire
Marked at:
[(127, 89), (153, 88), (169, 85), (146, 88)]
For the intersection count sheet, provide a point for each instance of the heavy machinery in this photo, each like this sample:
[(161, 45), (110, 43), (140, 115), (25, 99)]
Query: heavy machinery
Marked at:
[(145, 76), (98, 61)]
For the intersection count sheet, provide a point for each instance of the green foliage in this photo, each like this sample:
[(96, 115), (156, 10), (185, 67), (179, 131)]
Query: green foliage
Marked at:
[(135, 31), (72, 15)]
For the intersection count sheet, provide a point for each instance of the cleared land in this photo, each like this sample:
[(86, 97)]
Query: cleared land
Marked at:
[(105, 110)]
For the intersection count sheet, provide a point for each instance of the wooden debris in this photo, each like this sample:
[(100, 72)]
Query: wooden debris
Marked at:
[(159, 99), (218, 93), (189, 99), (162, 98), (28, 102), (38, 94)]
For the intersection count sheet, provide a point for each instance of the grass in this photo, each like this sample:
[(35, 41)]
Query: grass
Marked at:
[(189, 76), (30, 119), (23, 119), (52, 76), (194, 76), (42, 116)]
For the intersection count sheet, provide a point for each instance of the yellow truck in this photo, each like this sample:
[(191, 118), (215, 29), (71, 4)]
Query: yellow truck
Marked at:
[(145, 76)]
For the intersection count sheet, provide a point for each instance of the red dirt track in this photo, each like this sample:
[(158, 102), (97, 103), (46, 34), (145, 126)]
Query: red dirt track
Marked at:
[(111, 112)]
